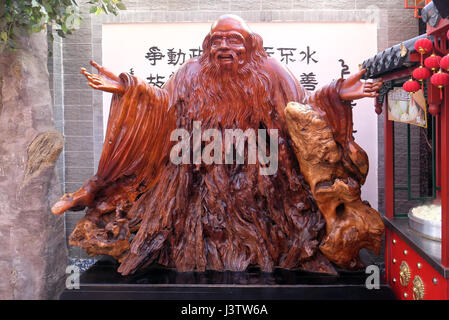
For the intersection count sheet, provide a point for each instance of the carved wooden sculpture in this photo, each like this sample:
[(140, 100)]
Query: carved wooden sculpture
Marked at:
[(143, 208), (335, 171)]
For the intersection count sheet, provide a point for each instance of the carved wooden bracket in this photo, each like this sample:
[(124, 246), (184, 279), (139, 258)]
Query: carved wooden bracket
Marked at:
[(379, 102)]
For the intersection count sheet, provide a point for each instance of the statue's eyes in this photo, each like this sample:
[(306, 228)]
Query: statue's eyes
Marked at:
[(235, 41), (216, 42), (230, 41)]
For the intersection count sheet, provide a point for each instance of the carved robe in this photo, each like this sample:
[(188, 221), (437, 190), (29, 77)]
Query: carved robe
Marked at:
[(216, 216)]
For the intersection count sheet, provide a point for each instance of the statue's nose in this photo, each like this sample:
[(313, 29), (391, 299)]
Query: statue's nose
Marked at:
[(224, 44)]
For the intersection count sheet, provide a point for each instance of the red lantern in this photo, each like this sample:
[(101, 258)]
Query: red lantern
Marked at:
[(423, 46), (444, 63), (432, 62), (448, 34), (421, 73), (440, 80), (411, 86)]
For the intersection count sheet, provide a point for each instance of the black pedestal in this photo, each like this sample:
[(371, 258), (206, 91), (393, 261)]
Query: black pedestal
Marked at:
[(102, 281)]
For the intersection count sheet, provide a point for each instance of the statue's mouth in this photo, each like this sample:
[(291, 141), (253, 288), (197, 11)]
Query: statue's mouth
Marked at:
[(225, 57)]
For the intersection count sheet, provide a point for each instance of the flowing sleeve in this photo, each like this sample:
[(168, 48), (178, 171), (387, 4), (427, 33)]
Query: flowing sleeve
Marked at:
[(338, 115), (136, 145), (326, 101)]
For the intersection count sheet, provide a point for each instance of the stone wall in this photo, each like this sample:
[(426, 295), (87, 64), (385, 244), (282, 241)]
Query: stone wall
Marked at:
[(78, 108), (33, 254)]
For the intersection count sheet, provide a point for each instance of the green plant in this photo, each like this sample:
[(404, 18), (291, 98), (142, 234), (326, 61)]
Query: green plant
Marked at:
[(21, 17)]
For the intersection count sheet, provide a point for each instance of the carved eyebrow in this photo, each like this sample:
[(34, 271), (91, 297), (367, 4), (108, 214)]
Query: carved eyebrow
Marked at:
[(237, 36), (232, 34)]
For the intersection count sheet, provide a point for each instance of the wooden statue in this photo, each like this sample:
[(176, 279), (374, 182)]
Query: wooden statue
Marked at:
[(143, 208)]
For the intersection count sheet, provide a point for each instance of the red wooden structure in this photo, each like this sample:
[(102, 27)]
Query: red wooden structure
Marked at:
[(416, 267), (416, 5)]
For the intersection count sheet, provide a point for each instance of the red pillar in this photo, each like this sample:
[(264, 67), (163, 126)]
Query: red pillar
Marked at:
[(389, 184), (444, 154), (389, 163)]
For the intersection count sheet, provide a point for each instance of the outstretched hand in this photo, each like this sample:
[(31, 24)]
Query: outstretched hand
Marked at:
[(105, 80), (353, 89)]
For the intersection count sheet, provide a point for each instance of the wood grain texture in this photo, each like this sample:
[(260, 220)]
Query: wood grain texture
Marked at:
[(143, 208), (335, 173)]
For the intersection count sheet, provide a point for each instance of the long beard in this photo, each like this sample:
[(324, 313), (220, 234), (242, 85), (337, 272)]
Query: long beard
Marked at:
[(227, 99)]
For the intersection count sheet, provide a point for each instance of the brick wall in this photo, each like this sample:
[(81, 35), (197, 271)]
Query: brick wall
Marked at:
[(78, 108)]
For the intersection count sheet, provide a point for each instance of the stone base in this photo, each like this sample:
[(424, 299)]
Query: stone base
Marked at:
[(101, 281)]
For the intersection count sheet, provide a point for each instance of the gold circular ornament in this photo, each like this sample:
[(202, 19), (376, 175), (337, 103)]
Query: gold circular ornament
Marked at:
[(418, 288), (404, 274)]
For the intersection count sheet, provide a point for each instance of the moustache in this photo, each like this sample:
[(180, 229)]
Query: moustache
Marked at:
[(226, 55)]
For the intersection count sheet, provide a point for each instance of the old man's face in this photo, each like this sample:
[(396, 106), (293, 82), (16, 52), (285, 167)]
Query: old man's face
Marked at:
[(228, 40), (228, 49)]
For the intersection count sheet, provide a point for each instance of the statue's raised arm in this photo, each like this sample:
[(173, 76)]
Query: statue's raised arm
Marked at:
[(134, 150), (105, 80), (120, 129), (353, 88)]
